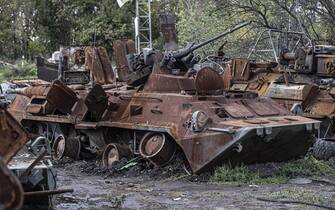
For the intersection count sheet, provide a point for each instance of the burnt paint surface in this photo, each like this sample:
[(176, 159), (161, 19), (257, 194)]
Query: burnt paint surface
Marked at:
[(167, 103), (12, 136)]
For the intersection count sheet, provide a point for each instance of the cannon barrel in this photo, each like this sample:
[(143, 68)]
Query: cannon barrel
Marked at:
[(170, 58), (183, 53)]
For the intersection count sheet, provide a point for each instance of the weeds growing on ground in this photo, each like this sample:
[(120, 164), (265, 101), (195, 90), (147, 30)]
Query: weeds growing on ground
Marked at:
[(242, 175), (309, 167), (300, 195)]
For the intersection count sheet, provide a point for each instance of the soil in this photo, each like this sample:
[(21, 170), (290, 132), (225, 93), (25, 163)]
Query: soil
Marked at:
[(144, 186)]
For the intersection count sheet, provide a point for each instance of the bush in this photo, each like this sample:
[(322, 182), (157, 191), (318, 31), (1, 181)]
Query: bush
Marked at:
[(242, 175), (27, 71), (309, 167)]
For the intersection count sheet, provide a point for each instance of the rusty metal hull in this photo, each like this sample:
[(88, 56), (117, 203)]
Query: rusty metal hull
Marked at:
[(237, 127), (12, 136), (211, 126), (11, 192), (17, 161), (273, 134), (283, 142), (314, 94), (247, 146)]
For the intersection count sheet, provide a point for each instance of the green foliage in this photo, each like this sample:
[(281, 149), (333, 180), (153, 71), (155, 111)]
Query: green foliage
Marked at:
[(29, 28), (2, 76), (300, 195), (309, 167), (27, 71), (104, 18), (242, 175), (200, 21)]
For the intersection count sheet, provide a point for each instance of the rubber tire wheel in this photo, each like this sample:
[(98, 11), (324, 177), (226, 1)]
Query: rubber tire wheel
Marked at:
[(323, 149)]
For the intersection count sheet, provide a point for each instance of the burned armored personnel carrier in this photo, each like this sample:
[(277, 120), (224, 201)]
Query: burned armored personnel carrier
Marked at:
[(175, 108), (295, 72)]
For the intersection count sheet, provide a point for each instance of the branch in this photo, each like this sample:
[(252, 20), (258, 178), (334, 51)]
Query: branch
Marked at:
[(253, 8), (284, 7)]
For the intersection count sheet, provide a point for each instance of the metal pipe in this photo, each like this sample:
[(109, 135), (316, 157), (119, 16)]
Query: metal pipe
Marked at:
[(33, 164), (222, 130), (273, 46), (140, 98), (229, 31), (48, 192)]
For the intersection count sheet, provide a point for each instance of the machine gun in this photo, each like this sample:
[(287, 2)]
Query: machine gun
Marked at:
[(171, 59)]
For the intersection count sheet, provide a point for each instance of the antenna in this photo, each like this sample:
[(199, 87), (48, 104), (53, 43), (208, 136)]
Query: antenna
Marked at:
[(143, 31), (142, 22)]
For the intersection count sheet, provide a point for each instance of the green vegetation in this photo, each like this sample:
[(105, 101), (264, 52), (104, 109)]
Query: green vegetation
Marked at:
[(299, 195), (27, 71), (309, 167), (242, 175), (29, 27), (199, 20)]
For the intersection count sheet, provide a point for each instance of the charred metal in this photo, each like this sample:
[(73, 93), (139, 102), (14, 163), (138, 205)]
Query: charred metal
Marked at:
[(163, 106)]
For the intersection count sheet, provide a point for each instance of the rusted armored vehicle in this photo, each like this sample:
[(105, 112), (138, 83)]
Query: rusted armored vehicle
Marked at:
[(296, 73), (76, 65), (175, 108)]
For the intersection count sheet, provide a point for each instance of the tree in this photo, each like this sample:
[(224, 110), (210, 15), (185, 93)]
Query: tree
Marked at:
[(32, 27)]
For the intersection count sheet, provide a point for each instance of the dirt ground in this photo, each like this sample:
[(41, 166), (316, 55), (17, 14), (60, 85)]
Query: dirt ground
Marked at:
[(96, 188)]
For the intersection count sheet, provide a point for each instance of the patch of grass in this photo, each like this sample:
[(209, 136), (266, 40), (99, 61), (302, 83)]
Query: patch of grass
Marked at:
[(309, 167), (242, 175), (2, 77), (301, 195)]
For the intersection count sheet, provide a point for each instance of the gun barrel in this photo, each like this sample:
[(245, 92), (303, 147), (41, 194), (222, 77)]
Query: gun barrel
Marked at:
[(229, 31), (170, 58)]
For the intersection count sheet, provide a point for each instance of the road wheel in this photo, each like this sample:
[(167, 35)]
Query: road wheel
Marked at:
[(114, 153), (158, 148), (66, 148)]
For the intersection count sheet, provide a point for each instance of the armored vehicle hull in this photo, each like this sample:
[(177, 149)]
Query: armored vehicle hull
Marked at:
[(170, 114), (167, 107)]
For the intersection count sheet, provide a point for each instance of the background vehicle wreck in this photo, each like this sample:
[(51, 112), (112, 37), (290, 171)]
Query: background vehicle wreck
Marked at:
[(295, 72)]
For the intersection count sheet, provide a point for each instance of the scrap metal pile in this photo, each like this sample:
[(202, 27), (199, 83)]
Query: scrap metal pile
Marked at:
[(25, 179), (163, 103), (157, 106)]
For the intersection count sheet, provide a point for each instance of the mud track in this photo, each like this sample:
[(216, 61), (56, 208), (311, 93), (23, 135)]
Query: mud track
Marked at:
[(97, 189)]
